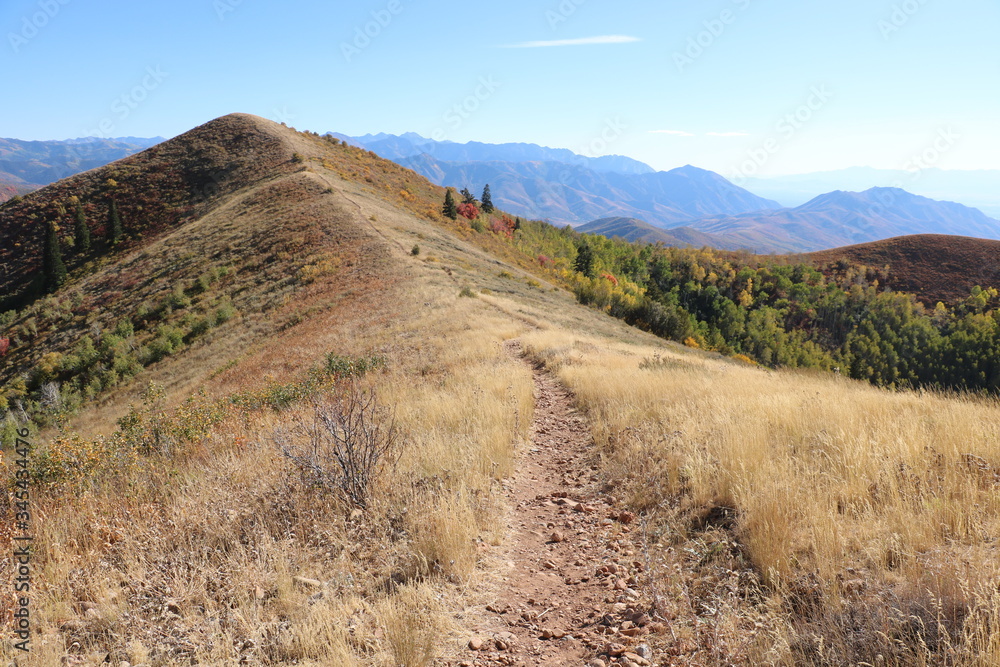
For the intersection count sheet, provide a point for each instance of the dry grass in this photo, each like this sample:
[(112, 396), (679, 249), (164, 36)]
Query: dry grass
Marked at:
[(215, 553), (867, 518)]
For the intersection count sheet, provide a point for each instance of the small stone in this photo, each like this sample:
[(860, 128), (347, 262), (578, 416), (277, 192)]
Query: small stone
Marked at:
[(643, 651), (637, 659), (597, 662), (557, 536), (642, 620), (614, 650), (94, 612), (476, 643), (545, 634)]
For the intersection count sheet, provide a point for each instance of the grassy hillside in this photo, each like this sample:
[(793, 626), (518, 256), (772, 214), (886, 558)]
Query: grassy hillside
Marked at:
[(931, 266), (785, 517), (797, 519)]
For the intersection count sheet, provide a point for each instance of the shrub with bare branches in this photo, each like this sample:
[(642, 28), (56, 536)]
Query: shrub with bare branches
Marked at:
[(349, 442)]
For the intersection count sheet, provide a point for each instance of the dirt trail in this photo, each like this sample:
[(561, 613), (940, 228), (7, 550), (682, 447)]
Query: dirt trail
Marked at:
[(571, 592)]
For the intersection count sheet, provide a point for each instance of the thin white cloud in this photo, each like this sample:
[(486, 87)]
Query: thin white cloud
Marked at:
[(728, 134), (582, 41), (674, 133)]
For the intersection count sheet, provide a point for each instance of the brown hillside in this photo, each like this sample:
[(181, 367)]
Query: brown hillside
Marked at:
[(156, 190), (932, 266)]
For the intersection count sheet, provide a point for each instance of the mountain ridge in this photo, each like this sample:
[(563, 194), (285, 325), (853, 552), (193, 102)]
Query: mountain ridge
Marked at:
[(843, 218)]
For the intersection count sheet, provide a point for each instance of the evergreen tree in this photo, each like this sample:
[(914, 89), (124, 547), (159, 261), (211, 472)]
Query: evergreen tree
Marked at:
[(53, 268), (467, 197), (584, 262), (517, 224), (81, 232), (450, 210), (487, 200), (114, 232)]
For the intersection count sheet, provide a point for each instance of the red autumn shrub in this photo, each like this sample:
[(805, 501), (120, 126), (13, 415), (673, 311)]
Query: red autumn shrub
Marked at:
[(503, 226), (545, 261), (4, 346), (468, 211), (608, 276)]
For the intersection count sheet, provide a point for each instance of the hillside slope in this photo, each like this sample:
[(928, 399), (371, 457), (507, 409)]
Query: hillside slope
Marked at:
[(934, 267), (728, 514), (633, 229)]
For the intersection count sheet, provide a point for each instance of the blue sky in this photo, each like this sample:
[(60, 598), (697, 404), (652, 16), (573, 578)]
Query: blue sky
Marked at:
[(742, 87)]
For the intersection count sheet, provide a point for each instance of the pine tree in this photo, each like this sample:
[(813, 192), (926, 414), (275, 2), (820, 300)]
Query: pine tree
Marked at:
[(517, 224), (584, 262), (81, 232), (467, 197), (450, 210), (114, 225), (53, 268), (487, 200)]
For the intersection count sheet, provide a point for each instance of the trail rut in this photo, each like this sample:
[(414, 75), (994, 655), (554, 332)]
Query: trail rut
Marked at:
[(571, 591)]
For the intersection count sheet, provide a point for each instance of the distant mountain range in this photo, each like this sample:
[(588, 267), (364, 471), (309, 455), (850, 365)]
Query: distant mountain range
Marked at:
[(29, 165), (396, 148), (979, 188), (847, 218), (564, 188), (619, 196)]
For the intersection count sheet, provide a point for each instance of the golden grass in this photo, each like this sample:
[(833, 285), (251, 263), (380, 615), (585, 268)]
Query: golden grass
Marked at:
[(204, 555), (869, 517)]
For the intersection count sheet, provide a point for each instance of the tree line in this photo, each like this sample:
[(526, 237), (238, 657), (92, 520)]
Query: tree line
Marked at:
[(781, 313), (53, 265)]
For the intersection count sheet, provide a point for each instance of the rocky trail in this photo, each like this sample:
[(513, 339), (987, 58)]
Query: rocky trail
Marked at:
[(572, 590)]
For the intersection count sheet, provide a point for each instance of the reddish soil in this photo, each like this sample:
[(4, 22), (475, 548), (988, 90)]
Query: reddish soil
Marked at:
[(572, 593)]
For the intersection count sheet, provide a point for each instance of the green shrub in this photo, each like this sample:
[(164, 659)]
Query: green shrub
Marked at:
[(224, 313)]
